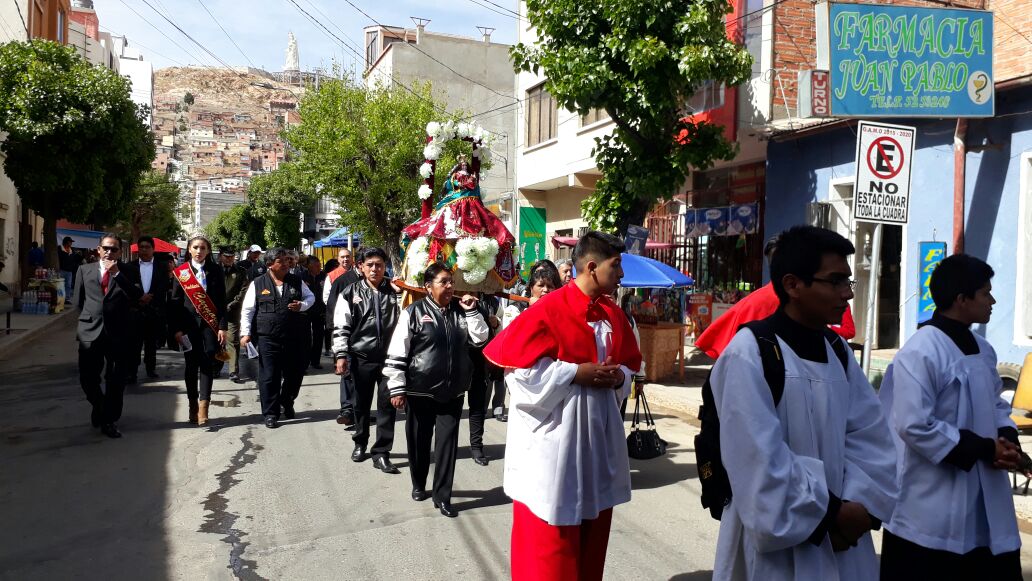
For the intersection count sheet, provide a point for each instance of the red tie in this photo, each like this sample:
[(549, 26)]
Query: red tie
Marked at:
[(104, 280)]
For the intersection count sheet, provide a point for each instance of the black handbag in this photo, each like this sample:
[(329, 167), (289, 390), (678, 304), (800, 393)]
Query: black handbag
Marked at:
[(644, 443)]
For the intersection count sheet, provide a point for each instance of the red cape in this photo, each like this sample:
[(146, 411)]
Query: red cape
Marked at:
[(557, 327), (757, 305)]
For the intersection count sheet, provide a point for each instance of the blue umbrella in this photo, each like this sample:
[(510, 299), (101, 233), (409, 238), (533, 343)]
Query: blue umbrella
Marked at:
[(644, 272)]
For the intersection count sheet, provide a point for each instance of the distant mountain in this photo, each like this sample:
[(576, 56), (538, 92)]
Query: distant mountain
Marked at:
[(219, 89)]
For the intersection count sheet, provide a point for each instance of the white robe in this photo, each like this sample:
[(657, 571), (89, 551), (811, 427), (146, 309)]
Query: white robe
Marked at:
[(827, 434), (566, 451), (931, 391)]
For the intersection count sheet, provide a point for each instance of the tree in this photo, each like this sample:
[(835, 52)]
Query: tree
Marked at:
[(640, 62), (188, 98), (277, 199), (76, 143), (364, 148), (153, 211), (236, 227)]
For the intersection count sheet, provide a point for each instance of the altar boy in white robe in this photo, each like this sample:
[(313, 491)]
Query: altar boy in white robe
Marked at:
[(569, 361), (812, 476), (955, 517)]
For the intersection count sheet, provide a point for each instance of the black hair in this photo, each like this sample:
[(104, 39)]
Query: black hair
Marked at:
[(433, 270), (331, 264), (800, 250), (312, 260), (112, 236), (543, 270), (36, 244), (960, 274), (373, 252), (227, 250), (598, 246), (147, 239), (272, 254)]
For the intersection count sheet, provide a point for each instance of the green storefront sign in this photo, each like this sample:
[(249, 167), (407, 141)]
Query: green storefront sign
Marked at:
[(532, 238)]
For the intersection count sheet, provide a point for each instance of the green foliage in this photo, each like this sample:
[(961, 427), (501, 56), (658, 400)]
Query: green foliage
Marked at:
[(236, 227), (277, 199), (364, 148), (640, 61), (188, 98), (153, 211), (76, 143)]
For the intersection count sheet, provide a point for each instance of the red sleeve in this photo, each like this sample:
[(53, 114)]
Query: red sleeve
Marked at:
[(527, 339), (847, 330)]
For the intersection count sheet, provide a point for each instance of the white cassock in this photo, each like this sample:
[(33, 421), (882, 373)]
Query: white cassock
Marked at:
[(566, 452), (827, 434), (931, 391)]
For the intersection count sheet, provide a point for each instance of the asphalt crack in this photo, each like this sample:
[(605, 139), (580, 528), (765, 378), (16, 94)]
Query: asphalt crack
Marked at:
[(219, 520)]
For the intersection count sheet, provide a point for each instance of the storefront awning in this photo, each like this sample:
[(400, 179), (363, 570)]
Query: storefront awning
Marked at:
[(338, 238), (80, 238), (571, 241)]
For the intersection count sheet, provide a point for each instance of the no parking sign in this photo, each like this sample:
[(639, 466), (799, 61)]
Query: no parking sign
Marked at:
[(883, 157)]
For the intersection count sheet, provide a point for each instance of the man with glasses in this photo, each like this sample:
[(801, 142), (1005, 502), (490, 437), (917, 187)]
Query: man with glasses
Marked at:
[(105, 292), (810, 460), (364, 318)]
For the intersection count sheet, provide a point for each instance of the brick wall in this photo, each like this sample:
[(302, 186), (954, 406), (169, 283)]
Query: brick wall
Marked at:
[(795, 46)]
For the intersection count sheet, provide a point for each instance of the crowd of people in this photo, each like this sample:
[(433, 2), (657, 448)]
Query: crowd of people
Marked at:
[(815, 458)]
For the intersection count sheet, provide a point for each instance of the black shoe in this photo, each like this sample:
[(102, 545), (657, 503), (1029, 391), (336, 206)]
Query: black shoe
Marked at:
[(480, 458), (446, 509), (238, 379), (419, 495), (316, 366), (152, 374), (271, 422), (383, 464), (359, 454), (502, 418), (346, 419), (234, 376), (288, 411), (110, 430)]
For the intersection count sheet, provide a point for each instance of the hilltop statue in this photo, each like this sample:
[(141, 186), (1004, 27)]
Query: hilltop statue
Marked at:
[(293, 63)]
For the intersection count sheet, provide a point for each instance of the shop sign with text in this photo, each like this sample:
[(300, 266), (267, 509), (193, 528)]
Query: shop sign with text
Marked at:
[(903, 61)]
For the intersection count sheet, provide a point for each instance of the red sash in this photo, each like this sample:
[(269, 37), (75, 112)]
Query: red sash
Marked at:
[(198, 298)]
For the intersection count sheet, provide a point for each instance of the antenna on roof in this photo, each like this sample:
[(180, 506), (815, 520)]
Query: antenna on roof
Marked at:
[(486, 32)]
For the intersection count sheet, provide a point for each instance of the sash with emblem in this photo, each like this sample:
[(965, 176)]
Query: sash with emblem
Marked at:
[(200, 300)]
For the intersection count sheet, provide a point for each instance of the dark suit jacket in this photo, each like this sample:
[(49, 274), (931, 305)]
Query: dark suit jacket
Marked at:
[(236, 287), (159, 283), (102, 313), (182, 315)]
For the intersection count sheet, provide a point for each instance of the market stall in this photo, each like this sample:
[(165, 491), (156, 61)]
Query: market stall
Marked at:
[(655, 294)]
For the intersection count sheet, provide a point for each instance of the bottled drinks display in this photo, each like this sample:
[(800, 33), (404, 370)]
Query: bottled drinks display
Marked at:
[(36, 302)]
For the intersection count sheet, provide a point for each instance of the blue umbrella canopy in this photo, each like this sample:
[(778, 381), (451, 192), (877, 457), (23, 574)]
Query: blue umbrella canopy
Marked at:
[(338, 237), (644, 272)]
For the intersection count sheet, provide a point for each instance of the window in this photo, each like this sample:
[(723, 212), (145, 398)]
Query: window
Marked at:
[(61, 26), (709, 96), (541, 111), (372, 52), (594, 116)]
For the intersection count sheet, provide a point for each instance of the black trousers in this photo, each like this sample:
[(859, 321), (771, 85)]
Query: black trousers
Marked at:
[(904, 560), (438, 420), (317, 339), (148, 329), (107, 356), (200, 362), (496, 383), (477, 400), (369, 381), (327, 338), (347, 394), (281, 368)]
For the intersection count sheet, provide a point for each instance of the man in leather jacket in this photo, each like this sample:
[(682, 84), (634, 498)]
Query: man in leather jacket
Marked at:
[(364, 317)]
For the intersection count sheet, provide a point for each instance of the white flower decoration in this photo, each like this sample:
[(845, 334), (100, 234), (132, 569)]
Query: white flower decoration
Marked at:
[(448, 130), (432, 151), (425, 192), (426, 170), (474, 276), (433, 129)]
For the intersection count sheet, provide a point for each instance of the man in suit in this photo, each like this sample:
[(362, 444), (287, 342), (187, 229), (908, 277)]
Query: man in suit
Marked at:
[(105, 292), (148, 314), (313, 278), (236, 286)]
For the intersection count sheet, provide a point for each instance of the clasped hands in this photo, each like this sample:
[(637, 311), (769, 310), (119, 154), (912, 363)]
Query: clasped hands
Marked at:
[(607, 375)]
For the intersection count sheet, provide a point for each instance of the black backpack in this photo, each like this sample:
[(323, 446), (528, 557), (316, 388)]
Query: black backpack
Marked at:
[(716, 488)]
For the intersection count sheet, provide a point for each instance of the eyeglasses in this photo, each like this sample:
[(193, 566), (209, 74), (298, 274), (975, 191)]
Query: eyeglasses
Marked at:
[(110, 248), (838, 283)]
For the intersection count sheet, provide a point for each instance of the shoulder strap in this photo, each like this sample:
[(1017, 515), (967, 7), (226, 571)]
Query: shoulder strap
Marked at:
[(770, 356), (839, 347)]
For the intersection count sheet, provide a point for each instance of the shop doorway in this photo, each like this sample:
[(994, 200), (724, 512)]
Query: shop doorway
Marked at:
[(887, 322)]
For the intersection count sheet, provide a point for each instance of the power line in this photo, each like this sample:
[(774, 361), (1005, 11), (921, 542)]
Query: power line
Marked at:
[(17, 4), (162, 32), (431, 57), (192, 39), (149, 50), (219, 24), (495, 10), (503, 8)]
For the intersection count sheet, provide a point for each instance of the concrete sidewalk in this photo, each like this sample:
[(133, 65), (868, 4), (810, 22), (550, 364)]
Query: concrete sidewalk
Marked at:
[(26, 328)]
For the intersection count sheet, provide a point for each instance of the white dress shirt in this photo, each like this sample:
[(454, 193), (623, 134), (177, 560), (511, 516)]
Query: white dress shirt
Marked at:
[(202, 277), (247, 308), (146, 274)]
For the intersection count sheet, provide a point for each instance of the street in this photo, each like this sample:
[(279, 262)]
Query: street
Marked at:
[(172, 501)]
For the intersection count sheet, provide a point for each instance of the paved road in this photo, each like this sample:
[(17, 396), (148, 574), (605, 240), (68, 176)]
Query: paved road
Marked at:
[(172, 501)]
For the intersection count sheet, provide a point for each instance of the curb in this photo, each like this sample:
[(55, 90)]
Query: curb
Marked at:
[(22, 339)]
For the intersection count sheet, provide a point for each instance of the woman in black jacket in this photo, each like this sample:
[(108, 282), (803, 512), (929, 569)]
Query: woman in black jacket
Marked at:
[(196, 337), (428, 366)]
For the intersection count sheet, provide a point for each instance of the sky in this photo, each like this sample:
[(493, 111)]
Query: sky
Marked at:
[(259, 27)]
